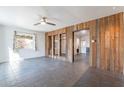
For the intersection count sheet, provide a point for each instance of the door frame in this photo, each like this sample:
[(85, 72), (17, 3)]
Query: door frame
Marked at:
[(89, 44)]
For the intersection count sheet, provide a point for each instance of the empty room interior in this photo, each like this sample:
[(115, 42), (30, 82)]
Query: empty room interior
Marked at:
[(61, 46)]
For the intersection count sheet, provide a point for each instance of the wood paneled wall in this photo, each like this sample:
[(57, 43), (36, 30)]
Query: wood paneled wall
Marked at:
[(70, 46), (111, 43), (107, 52), (91, 25), (47, 41)]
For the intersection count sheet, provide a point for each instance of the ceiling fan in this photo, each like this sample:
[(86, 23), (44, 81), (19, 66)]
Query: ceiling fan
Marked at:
[(44, 21)]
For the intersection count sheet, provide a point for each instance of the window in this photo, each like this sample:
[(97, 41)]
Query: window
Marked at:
[(24, 41)]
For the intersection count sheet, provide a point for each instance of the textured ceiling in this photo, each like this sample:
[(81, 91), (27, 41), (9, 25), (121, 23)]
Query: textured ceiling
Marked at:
[(63, 16)]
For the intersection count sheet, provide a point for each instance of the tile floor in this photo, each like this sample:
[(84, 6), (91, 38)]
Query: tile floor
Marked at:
[(96, 78), (48, 72)]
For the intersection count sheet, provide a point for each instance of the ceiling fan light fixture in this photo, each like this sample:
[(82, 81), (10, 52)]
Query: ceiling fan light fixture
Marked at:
[(43, 23)]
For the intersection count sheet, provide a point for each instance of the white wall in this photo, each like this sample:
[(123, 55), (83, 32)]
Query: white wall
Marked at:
[(86, 39), (2, 45), (79, 38), (6, 47)]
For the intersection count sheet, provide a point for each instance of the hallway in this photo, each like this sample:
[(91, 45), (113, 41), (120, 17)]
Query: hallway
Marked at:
[(82, 58)]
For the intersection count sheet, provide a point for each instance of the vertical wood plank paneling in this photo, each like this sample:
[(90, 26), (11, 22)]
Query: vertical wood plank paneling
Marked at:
[(104, 40), (92, 28), (102, 44), (111, 22), (59, 45), (69, 37), (92, 64), (110, 38), (114, 42), (117, 61), (100, 35), (52, 37), (121, 41), (110, 44), (46, 44), (98, 44), (107, 44)]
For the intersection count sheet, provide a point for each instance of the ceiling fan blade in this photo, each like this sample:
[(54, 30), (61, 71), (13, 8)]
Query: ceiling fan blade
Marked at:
[(50, 23), (37, 24)]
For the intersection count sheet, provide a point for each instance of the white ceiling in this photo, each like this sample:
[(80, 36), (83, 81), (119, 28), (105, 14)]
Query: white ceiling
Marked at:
[(63, 16)]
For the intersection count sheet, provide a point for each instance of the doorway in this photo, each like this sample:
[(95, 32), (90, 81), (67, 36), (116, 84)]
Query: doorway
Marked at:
[(50, 46), (63, 45), (55, 45), (81, 46)]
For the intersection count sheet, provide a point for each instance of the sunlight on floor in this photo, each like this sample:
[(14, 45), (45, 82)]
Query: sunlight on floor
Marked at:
[(14, 59), (14, 56)]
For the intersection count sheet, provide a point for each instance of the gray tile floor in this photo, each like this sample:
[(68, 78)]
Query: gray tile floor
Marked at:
[(48, 72), (41, 72), (96, 78)]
